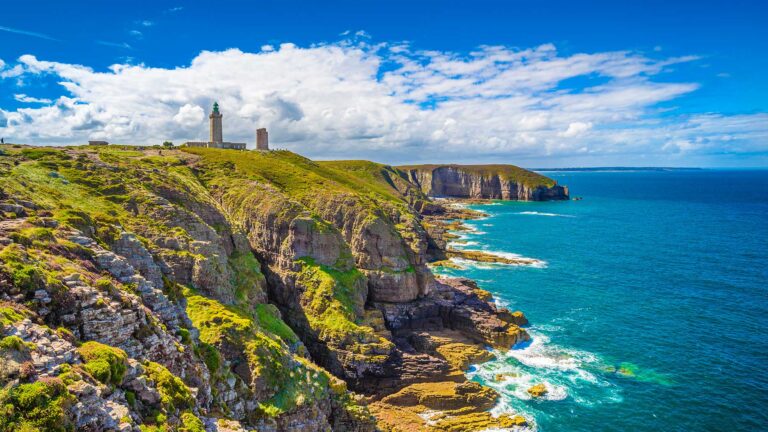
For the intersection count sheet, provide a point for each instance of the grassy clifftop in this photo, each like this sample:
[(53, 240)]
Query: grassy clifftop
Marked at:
[(302, 178), (156, 246), (505, 172)]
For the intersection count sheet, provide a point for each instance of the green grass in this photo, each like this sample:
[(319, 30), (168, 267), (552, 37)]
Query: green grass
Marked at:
[(36, 153), (262, 342), (15, 343), (247, 278), (33, 235), (269, 320), (332, 304), (25, 271), (68, 199), (216, 321), (301, 178)]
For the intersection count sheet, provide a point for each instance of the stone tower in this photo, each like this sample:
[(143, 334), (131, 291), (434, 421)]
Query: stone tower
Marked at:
[(262, 139), (216, 132)]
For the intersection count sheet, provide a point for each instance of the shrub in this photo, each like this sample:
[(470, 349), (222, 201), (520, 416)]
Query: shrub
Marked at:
[(131, 398), (30, 236), (210, 356), (15, 343), (104, 284), (190, 423), (10, 314), (184, 336), (105, 363), (36, 406)]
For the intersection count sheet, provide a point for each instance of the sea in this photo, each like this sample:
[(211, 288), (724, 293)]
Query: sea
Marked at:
[(647, 302)]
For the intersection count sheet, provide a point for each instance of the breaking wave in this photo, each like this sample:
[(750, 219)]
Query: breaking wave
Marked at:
[(535, 213), (565, 373)]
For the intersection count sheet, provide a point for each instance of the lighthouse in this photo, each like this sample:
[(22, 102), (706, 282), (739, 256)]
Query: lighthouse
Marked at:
[(216, 132)]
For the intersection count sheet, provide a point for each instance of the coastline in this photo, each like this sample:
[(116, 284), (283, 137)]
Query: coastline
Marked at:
[(237, 277), (451, 400)]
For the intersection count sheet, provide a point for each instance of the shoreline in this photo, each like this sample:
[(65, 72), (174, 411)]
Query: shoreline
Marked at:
[(453, 222), (450, 400)]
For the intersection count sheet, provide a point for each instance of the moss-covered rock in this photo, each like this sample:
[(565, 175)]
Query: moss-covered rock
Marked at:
[(175, 395)]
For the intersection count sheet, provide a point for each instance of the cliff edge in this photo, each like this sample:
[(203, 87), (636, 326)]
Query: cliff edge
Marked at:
[(146, 289), (506, 182)]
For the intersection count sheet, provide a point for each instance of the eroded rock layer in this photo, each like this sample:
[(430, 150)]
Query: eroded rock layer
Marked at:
[(505, 182)]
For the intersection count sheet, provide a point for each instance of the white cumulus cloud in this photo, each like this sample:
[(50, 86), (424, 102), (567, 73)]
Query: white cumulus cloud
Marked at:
[(190, 115), (576, 129), (390, 102)]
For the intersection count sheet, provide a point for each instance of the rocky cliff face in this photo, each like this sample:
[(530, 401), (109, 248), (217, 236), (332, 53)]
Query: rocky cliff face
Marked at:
[(484, 182), (219, 290)]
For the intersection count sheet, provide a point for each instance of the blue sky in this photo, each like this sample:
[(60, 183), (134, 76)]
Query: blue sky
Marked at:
[(402, 79)]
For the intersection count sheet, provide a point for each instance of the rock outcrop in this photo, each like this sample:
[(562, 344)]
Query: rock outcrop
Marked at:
[(224, 290), (506, 182)]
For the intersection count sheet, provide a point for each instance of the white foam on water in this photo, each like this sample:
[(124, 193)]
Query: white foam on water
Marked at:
[(531, 262), (453, 204), (535, 213), (566, 374), (540, 355), (521, 262)]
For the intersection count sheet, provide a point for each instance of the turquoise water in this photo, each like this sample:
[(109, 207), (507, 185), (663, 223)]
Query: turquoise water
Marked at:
[(649, 310)]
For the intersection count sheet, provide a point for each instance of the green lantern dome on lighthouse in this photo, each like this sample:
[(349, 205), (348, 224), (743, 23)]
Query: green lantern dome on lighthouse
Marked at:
[(215, 107)]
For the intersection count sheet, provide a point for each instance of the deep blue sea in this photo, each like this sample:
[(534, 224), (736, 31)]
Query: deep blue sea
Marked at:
[(649, 308)]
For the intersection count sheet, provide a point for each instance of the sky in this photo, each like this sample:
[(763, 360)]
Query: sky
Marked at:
[(534, 83)]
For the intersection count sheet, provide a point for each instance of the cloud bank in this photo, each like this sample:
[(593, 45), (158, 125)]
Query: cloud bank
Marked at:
[(393, 103)]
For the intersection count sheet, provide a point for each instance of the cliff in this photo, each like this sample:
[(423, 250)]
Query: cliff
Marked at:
[(204, 289), (506, 182)]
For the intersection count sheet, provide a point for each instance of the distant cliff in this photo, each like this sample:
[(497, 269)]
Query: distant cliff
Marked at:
[(506, 182)]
